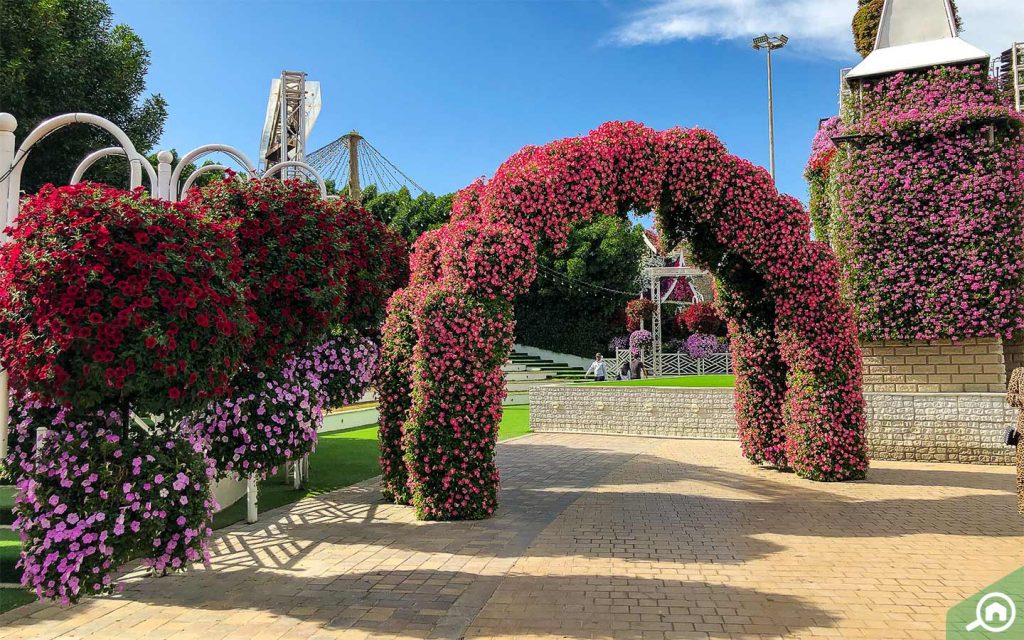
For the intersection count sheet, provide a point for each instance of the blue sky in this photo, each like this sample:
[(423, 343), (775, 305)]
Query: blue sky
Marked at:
[(448, 90)]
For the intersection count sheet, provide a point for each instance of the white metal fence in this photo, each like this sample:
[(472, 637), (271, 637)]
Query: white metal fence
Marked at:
[(674, 364)]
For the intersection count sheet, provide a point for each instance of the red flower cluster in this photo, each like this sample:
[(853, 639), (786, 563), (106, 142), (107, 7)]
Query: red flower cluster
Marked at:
[(702, 317), (308, 263), (108, 298), (701, 194), (638, 311)]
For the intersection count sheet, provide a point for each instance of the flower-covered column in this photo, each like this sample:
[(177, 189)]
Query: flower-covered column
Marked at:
[(458, 389), (464, 277), (394, 384)]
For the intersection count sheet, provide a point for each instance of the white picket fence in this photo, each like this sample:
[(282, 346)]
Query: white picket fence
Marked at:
[(675, 364)]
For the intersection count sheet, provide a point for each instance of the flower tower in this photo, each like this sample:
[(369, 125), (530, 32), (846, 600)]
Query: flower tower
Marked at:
[(923, 205)]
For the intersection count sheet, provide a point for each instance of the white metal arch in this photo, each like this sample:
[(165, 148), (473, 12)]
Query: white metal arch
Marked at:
[(96, 156), (47, 127), (300, 165), (206, 168), (199, 152)]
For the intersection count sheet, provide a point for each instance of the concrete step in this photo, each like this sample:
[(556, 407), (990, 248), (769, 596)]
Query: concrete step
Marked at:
[(526, 386), (509, 368), (526, 376)]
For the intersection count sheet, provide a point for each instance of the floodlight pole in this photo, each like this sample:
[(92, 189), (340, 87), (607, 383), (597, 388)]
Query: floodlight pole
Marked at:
[(771, 120), (770, 43)]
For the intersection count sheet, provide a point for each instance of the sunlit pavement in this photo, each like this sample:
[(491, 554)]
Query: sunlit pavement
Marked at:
[(597, 537)]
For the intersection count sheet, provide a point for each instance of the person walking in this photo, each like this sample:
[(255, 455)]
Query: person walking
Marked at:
[(1015, 397), (599, 368)]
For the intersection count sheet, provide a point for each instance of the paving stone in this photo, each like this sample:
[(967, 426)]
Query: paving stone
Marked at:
[(597, 537)]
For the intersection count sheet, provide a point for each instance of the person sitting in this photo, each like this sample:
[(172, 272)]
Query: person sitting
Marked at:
[(598, 368), (624, 370)]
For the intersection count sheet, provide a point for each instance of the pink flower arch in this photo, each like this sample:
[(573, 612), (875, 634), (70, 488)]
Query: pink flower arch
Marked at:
[(798, 394)]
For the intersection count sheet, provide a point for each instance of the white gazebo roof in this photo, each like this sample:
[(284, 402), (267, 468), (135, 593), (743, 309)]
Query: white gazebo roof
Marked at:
[(916, 34)]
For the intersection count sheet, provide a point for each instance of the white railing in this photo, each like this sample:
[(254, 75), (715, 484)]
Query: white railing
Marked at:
[(674, 364)]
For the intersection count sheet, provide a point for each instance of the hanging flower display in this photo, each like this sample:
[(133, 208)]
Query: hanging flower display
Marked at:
[(702, 317), (637, 312), (99, 491), (639, 340), (337, 371), (110, 299), (308, 264), (701, 345)]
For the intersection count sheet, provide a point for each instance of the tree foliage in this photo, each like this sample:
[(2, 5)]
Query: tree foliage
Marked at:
[(62, 56), (576, 319), (408, 216)]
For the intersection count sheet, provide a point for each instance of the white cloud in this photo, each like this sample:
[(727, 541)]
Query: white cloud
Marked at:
[(820, 26)]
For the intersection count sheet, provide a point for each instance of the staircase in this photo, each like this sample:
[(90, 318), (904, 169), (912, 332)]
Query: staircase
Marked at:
[(523, 372)]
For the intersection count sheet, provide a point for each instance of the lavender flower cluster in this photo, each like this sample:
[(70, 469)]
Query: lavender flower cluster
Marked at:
[(279, 416), (99, 491)]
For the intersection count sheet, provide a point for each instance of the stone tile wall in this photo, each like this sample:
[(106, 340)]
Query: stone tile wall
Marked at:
[(926, 427), (976, 365)]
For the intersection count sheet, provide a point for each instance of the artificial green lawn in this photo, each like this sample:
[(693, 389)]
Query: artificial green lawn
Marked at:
[(7, 493), (679, 381), (344, 458)]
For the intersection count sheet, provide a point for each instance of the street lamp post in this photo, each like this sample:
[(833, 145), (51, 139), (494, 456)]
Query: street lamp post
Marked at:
[(770, 43)]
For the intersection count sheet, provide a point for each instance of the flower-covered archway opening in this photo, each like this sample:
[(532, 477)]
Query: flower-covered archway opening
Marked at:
[(798, 398)]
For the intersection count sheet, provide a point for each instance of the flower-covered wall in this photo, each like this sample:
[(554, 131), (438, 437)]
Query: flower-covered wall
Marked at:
[(927, 217)]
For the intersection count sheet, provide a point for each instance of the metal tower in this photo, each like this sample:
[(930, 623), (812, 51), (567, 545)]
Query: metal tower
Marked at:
[(292, 109), (1010, 73)]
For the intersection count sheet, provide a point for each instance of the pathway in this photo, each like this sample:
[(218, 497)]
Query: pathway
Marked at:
[(602, 537)]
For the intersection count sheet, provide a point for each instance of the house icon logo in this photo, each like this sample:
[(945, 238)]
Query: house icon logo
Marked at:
[(996, 613), (990, 614)]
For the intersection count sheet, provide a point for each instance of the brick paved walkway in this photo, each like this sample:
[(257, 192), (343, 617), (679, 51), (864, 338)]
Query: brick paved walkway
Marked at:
[(603, 537)]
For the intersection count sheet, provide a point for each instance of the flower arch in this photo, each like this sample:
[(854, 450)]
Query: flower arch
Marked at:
[(798, 394)]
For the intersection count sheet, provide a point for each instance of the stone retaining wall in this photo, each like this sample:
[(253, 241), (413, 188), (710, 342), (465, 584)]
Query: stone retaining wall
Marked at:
[(924, 427)]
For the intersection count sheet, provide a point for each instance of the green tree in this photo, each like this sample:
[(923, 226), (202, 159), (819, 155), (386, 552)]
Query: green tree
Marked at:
[(406, 215), (867, 19), (562, 313), (61, 56)]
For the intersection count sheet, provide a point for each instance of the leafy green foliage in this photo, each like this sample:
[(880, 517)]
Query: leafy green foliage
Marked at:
[(581, 320), (405, 215), (62, 56)]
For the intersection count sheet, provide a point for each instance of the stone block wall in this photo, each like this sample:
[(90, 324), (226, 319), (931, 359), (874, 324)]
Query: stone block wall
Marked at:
[(706, 414), (967, 428), (939, 427), (975, 365)]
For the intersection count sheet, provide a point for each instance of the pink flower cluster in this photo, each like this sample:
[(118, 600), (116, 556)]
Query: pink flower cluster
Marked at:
[(738, 226), (446, 337), (458, 387), (639, 340), (929, 212), (99, 491), (817, 172), (393, 383)]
